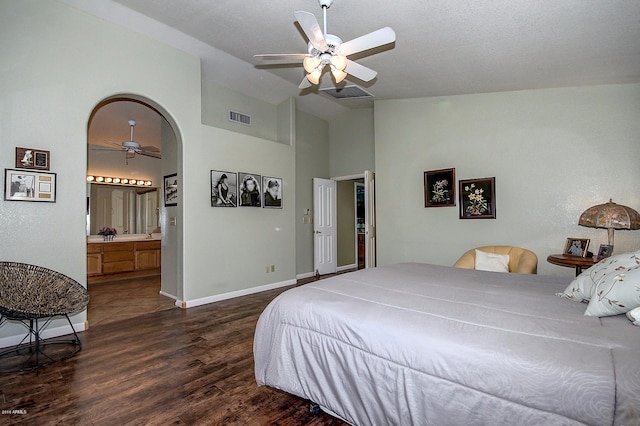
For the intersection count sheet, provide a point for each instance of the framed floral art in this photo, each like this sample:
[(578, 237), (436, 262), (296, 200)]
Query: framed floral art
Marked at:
[(440, 188), (478, 198)]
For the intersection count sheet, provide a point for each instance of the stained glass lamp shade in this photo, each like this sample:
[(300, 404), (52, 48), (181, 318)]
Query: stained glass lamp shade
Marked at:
[(610, 216)]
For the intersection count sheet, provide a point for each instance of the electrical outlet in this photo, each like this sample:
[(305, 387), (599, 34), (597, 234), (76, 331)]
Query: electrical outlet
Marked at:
[(273, 268)]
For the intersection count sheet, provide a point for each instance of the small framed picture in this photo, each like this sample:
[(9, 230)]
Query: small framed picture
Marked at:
[(249, 194), (440, 188), (30, 158), (604, 251), (576, 247), (170, 186), (224, 189), (23, 185), (477, 198), (272, 192)]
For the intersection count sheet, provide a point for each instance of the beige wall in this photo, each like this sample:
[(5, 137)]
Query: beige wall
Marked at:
[(312, 160), (352, 149), (553, 153)]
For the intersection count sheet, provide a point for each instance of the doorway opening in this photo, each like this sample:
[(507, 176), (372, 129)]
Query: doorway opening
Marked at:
[(138, 271), (344, 223)]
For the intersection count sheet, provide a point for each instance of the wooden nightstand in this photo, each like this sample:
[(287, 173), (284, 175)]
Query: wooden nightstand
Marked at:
[(572, 261)]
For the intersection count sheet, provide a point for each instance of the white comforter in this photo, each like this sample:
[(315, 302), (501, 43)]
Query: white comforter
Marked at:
[(431, 345)]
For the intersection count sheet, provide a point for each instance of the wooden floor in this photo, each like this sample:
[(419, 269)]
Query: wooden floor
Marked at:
[(124, 299), (170, 366)]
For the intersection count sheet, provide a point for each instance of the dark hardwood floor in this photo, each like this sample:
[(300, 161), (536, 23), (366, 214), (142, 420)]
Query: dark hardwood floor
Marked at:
[(169, 366)]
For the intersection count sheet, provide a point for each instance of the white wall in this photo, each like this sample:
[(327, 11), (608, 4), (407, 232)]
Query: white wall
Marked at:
[(553, 153)]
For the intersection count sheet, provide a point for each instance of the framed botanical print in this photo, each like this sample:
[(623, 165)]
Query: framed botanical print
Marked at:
[(477, 198), (440, 188)]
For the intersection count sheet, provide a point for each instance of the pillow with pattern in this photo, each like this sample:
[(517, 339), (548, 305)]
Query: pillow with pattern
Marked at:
[(583, 287), (618, 292)]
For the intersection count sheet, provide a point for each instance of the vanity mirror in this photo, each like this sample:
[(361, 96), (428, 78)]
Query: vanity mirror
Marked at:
[(131, 210)]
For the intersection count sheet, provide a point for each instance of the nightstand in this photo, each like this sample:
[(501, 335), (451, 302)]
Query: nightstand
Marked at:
[(572, 261)]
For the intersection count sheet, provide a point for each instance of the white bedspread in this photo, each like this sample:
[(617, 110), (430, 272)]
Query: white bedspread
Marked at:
[(431, 345)]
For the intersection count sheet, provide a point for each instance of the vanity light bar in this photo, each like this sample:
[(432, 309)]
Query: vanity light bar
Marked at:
[(118, 181)]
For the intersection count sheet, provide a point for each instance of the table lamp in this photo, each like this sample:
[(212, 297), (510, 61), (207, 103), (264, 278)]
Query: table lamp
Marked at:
[(610, 216)]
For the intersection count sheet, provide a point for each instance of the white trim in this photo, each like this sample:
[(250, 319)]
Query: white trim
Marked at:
[(232, 294), (170, 296), (345, 267), (305, 275), (47, 333), (349, 177)]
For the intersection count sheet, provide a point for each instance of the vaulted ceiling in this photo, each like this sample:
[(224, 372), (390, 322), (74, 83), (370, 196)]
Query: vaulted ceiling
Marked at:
[(443, 47)]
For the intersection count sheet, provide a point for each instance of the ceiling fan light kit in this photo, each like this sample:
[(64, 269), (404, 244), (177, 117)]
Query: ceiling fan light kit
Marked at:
[(328, 49)]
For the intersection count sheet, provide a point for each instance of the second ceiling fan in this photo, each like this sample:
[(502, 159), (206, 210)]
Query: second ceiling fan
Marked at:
[(327, 49)]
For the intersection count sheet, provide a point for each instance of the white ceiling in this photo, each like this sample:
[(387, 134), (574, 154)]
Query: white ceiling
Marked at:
[(443, 47)]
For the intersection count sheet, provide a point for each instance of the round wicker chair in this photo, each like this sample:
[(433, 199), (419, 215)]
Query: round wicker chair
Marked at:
[(33, 296)]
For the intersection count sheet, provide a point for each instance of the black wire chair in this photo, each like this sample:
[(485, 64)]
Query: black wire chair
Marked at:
[(34, 296)]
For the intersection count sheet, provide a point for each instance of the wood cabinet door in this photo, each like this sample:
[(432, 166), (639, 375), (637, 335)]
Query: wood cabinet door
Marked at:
[(94, 264), (147, 259)]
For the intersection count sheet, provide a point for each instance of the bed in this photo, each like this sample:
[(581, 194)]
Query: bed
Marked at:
[(432, 345)]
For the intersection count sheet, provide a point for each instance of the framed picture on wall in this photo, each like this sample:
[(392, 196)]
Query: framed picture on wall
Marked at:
[(224, 189), (249, 193), (440, 188), (271, 192), (170, 186), (23, 185), (477, 198), (576, 247), (30, 158)]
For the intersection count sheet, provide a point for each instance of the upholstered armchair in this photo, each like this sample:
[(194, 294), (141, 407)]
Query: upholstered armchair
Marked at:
[(521, 261)]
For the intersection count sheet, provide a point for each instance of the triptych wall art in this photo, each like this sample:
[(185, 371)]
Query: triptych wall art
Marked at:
[(477, 197), (241, 189)]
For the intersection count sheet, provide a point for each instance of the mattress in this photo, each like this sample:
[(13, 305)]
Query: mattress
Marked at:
[(432, 345)]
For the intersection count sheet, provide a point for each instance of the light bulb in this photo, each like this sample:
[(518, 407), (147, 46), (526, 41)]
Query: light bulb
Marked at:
[(339, 75), (116, 180), (339, 61), (133, 181), (125, 180), (99, 179), (90, 178), (108, 180), (310, 63)]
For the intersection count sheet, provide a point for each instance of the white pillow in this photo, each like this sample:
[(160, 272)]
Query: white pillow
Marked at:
[(618, 292), (583, 287), (634, 316), (492, 262)]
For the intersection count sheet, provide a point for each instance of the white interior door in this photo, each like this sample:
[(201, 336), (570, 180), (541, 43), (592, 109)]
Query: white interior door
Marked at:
[(324, 226), (369, 220)]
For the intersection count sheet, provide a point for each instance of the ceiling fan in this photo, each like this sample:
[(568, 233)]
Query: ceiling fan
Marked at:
[(327, 49), (132, 148)]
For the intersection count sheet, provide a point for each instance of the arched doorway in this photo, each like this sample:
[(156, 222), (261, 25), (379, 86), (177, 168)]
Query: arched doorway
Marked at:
[(144, 232)]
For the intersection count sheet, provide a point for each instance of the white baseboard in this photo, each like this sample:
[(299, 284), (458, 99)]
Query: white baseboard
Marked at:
[(170, 296), (305, 275), (47, 333), (231, 295), (345, 267)]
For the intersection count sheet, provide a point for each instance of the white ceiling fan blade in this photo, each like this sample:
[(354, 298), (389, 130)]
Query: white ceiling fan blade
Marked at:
[(311, 28), (280, 58), (305, 83), (360, 71), (368, 41), (150, 148)]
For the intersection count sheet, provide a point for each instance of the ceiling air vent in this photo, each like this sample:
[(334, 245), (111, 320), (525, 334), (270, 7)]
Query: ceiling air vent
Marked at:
[(237, 117), (347, 92)]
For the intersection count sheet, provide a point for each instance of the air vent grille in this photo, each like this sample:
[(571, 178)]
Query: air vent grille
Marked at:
[(237, 117), (347, 92)]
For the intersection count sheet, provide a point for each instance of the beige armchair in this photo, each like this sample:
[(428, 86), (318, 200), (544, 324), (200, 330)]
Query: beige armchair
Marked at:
[(521, 261)]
